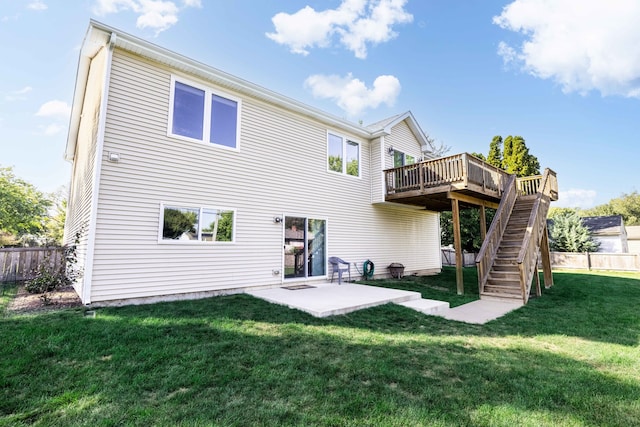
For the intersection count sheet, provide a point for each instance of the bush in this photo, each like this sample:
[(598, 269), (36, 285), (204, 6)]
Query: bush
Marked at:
[(48, 278)]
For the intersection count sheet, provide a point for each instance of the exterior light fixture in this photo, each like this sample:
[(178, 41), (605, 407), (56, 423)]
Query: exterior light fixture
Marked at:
[(277, 219), (113, 157), (391, 151)]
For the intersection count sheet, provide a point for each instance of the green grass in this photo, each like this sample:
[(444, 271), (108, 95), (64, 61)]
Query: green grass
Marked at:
[(569, 358)]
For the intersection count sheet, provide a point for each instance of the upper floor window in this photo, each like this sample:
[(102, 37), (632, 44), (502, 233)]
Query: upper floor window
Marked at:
[(180, 223), (199, 114), (402, 159), (343, 156)]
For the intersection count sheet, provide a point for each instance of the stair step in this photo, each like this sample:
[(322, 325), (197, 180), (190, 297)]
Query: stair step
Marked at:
[(500, 294), (509, 250), (506, 259), (498, 297), (504, 282), (501, 290), (504, 268), (513, 276)]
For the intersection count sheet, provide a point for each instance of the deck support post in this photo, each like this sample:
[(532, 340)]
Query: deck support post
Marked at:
[(483, 223), (545, 253), (455, 207)]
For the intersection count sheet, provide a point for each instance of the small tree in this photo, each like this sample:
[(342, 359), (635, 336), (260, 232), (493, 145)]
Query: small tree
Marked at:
[(568, 234)]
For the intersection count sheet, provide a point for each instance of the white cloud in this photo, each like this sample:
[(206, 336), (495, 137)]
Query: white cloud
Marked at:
[(55, 108), (156, 14), (576, 198), (351, 94), (356, 23), (581, 45), (37, 5), (18, 95)]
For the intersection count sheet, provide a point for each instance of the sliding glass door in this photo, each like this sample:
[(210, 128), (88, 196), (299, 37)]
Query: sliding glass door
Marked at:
[(304, 247)]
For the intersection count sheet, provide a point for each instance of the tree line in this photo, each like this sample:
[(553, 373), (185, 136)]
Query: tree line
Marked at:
[(29, 217)]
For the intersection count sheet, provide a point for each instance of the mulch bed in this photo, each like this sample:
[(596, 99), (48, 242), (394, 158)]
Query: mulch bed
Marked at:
[(24, 302)]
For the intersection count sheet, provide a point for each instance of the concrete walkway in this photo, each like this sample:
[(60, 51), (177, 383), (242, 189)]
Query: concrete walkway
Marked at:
[(481, 311), (327, 299)]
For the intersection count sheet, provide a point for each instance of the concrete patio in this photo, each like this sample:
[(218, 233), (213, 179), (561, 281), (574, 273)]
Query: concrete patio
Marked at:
[(327, 299)]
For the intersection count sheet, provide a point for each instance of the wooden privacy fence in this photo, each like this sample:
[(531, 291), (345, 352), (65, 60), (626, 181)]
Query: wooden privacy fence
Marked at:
[(596, 261), (570, 260), (19, 264)]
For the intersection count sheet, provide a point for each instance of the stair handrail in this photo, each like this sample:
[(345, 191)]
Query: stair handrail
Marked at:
[(489, 247), (528, 255)]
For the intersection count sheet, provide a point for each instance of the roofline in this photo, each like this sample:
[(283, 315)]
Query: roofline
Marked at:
[(413, 125), (115, 38)]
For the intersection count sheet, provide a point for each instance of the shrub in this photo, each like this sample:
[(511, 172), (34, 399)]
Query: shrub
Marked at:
[(48, 278)]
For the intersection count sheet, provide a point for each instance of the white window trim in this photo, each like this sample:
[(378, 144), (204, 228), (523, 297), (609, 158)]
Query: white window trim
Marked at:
[(206, 130), (344, 155), (326, 247), (194, 242)]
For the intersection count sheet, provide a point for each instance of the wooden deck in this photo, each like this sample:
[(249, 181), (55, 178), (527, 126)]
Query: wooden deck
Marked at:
[(434, 183)]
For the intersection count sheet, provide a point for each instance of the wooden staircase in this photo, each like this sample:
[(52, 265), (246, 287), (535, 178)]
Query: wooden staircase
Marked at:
[(517, 240), (504, 275)]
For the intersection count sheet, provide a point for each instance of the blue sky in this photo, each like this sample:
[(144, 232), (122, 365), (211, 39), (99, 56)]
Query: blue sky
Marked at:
[(564, 74)]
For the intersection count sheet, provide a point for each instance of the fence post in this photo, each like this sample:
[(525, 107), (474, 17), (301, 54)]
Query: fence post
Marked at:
[(588, 261)]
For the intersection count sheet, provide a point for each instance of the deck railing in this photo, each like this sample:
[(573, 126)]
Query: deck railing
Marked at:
[(489, 248), (530, 185), (462, 169), (536, 226)]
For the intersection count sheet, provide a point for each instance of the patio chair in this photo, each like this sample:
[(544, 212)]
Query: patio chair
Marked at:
[(339, 266)]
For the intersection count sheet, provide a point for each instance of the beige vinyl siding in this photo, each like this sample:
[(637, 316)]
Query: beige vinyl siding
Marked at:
[(377, 174), (280, 169), (83, 174), (401, 139)]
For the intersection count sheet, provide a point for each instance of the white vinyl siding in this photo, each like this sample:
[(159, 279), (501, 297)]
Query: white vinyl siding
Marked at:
[(81, 190), (282, 169)]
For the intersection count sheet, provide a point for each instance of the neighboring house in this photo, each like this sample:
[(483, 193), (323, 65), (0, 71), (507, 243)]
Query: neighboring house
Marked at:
[(633, 238), (609, 231), (188, 182)]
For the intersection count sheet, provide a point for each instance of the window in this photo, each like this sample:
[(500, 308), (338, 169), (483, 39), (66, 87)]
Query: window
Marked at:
[(343, 156), (402, 159), (197, 224), (199, 114)]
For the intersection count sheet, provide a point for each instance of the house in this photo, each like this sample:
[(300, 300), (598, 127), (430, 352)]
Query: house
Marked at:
[(609, 231), (633, 238), (189, 182)]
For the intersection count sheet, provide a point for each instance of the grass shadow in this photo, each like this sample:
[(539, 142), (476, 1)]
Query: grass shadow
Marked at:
[(207, 362)]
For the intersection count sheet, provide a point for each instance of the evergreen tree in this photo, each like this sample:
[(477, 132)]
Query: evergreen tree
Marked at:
[(568, 234), (495, 152), (516, 158)]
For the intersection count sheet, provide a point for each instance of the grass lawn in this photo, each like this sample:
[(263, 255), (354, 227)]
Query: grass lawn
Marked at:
[(569, 358)]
